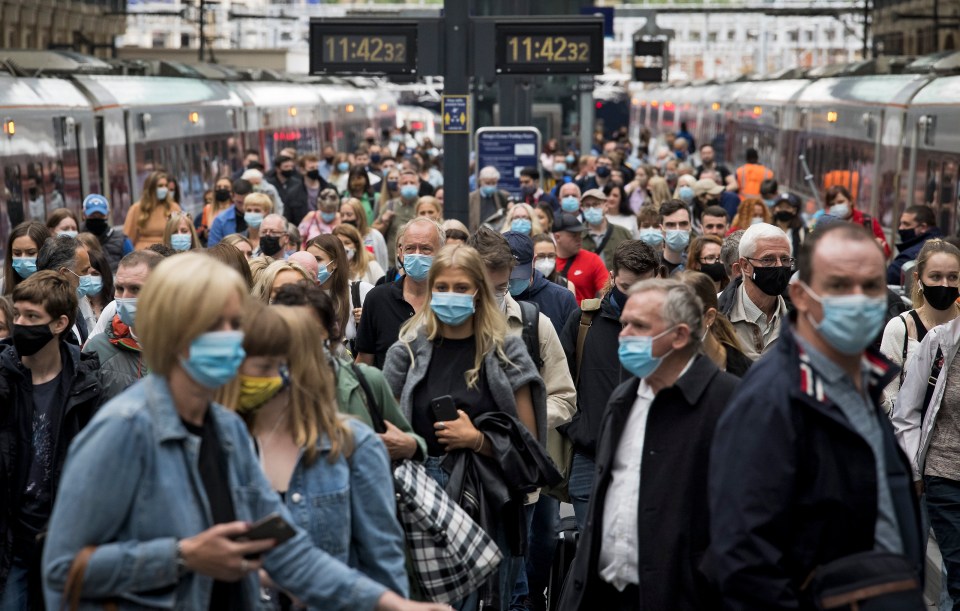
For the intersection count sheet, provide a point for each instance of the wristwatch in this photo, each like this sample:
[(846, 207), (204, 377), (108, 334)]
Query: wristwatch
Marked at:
[(181, 562)]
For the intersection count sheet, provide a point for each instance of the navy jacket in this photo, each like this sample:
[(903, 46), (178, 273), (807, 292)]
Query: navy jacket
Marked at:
[(793, 486), (555, 301), (908, 252)]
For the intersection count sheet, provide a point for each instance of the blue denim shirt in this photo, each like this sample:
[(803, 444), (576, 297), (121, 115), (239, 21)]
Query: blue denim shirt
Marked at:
[(349, 508), (131, 485)]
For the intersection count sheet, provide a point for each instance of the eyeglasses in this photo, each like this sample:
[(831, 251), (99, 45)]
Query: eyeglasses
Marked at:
[(771, 261), (710, 259), (545, 257), (274, 233)]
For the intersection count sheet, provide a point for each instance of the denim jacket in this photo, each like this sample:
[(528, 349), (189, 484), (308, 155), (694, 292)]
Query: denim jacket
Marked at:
[(349, 510), (132, 486)]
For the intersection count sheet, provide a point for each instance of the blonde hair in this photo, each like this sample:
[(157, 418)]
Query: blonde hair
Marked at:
[(362, 257), (535, 227), (263, 285), (235, 238), (173, 224), (360, 213), (659, 191), (489, 324), (259, 199), (181, 300), (264, 334), (429, 200), (932, 247), (313, 400)]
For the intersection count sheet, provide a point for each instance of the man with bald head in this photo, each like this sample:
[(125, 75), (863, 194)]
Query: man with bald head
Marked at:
[(804, 466), (569, 196)]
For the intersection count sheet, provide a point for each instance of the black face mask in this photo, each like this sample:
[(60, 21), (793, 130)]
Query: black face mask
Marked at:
[(371, 140), (97, 226), (329, 160), (772, 280), (617, 297), (716, 271), (351, 222), (375, 158), (940, 297), (30, 339), (221, 195), (33, 192), (288, 173), (603, 171), (313, 174), (784, 216), (269, 245), (907, 234)]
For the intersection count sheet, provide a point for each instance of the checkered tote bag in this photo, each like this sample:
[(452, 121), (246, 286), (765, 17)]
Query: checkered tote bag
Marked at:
[(452, 555)]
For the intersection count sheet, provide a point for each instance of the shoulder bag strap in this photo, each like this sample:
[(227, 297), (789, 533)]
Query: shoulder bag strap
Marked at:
[(569, 264), (376, 414), (589, 309), (73, 588), (903, 355), (921, 328), (605, 239), (935, 369), (355, 294)]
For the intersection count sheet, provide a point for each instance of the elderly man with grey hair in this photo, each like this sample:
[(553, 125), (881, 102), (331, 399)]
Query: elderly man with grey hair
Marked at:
[(754, 302), (488, 204), (69, 258), (641, 545)]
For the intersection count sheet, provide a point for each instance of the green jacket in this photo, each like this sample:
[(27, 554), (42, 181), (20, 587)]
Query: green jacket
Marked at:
[(617, 235), (353, 401)]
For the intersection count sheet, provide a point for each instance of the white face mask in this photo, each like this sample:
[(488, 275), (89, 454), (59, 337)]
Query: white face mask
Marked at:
[(501, 300), (545, 266)]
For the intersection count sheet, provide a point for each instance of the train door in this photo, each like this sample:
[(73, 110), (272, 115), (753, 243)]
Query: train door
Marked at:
[(66, 176)]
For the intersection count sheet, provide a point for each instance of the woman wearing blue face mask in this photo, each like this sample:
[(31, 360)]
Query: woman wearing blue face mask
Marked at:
[(179, 234), (103, 281), (522, 219), (20, 262), (147, 217), (63, 221), (333, 275), (255, 207), (339, 171), (455, 352), (325, 218), (184, 481)]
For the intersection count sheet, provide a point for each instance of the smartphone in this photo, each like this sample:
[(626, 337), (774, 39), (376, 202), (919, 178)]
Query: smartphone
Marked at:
[(444, 409), (271, 527)]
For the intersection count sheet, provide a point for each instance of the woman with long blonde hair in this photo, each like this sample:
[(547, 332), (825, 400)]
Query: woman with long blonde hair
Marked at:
[(522, 219), (456, 352), (268, 280), (179, 233), (147, 218), (331, 471), (352, 213), (362, 264), (659, 191)]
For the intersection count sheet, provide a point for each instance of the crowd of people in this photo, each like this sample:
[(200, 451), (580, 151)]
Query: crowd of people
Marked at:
[(716, 377)]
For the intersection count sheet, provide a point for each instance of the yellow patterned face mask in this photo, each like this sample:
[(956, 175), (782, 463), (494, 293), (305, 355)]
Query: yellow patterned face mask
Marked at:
[(255, 391)]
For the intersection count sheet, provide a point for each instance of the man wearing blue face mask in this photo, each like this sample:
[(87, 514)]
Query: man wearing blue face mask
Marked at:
[(395, 213), (488, 203), (69, 258), (804, 468), (569, 195), (391, 304), (231, 220), (602, 237), (118, 348), (675, 222), (634, 552)]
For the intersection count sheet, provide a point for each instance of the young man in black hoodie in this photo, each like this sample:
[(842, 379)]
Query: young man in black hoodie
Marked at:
[(48, 392)]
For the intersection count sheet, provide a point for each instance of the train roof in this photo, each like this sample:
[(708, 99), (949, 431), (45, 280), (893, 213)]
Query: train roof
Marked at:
[(892, 89)]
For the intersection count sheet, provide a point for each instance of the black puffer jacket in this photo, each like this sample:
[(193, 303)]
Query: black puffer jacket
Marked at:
[(600, 374), (79, 384)]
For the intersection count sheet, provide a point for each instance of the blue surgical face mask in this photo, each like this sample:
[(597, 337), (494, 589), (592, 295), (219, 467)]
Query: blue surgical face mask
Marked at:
[(841, 211), (686, 194), (521, 226), (417, 266), (678, 239), (519, 285), (67, 233), (162, 193), (850, 322), (328, 217), (488, 190), (559, 168), (652, 236), (127, 310), (214, 358), (570, 159), (636, 354), (409, 191), (323, 274), (570, 204), (343, 166), (594, 216), (452, 308), (24, 266), (181, 241), (89, 286), (253, 219)]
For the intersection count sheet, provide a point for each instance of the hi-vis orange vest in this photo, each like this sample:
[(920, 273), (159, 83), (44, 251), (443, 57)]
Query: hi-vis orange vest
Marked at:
[(749, 177)]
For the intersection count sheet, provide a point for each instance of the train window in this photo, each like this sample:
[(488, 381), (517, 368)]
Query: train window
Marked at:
[(948, 192), (53, 185), (33, 185), (930, 186), (13, 193)]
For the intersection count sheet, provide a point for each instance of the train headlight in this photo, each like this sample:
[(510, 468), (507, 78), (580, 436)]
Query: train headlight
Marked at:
[(384, 107), (293, 111), (715, 106), (832, 116), (9, 127), (194, 117), (350, 108)]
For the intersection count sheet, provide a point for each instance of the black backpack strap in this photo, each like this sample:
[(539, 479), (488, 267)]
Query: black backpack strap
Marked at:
[(376, 414), (921, 329), (935, 369), (569, 264), (530, 315), (355, 294)]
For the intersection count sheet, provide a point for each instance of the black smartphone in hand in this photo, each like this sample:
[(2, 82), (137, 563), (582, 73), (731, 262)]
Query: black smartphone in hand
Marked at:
[(271, 527), (444, 409)]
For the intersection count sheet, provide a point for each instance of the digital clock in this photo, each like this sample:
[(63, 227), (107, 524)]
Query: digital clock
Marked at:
[(533, 48), (358, 49)]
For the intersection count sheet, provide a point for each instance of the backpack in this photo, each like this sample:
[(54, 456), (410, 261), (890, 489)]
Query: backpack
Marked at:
[(530, 315)]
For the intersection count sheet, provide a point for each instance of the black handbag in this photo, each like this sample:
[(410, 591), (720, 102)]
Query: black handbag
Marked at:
[(868, 581)]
